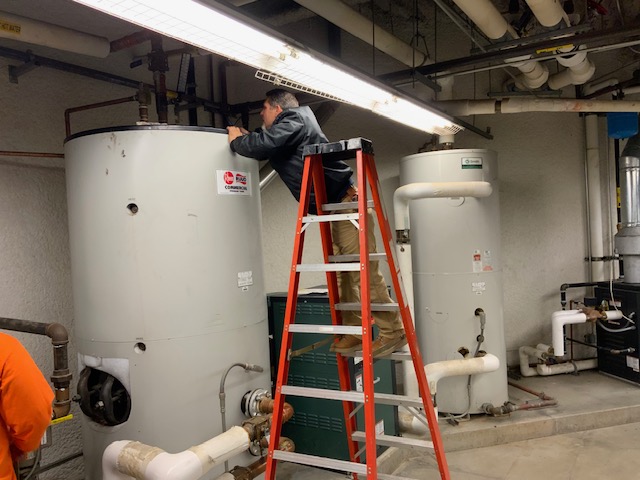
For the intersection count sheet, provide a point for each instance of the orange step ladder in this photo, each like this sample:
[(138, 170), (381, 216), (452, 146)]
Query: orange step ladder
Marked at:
[(362, 150)]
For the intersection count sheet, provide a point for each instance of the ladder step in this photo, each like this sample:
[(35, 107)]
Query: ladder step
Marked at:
[(336, 207), (328, 267), (340, 217), (327, 329), (356, 257), (321, 462), (375, 307), (351, 396), (399, 356), (391, 441)]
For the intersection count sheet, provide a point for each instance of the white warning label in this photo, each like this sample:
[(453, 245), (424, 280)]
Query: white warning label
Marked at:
[(245, 279), (633, 363), (233, 182), (478, 287)]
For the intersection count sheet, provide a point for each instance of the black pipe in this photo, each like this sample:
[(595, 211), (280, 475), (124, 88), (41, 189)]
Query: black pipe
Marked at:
[(612, 351), (565, 286), (61, 376), (57, 463), (537, 51)]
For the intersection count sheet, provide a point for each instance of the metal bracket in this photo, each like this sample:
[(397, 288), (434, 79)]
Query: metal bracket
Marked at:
[(26, 67)]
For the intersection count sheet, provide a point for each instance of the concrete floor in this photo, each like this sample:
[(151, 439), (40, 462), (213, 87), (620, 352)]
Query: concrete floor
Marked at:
[(593, 433)]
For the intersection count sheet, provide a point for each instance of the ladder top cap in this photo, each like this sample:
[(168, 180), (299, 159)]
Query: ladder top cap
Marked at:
[(340, 150)]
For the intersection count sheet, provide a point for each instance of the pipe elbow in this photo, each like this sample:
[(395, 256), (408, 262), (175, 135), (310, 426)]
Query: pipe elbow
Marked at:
[(57, 333), (466, 366)]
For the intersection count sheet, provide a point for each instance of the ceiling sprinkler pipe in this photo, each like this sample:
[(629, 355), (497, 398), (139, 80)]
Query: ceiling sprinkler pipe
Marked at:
[(36, 32)]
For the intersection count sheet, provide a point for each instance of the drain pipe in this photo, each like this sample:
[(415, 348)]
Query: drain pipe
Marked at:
[(579, 69), (594, 199), (61, 377), (401, 198), (36, 32), (548, 12), (543, 353)]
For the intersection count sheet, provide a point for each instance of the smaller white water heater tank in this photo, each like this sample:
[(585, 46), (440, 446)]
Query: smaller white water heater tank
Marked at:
[(455, 245)]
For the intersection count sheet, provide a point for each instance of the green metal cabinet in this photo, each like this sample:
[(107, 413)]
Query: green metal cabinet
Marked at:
[(317, 427)]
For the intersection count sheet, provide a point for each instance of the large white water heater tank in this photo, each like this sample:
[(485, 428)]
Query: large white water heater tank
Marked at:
[(167, 271), (455, 244)]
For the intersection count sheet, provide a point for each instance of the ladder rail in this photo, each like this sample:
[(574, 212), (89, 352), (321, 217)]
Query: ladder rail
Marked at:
[(362, 160), (287, 340), (319, 188)]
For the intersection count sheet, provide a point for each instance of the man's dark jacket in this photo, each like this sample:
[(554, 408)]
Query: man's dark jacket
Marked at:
[(282, 145)]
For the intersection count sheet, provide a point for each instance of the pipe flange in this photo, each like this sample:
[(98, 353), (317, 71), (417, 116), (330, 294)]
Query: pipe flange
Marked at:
[(251, 401)]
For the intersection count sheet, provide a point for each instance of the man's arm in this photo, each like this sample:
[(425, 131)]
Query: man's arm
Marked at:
[(266, 143), (25, 397)]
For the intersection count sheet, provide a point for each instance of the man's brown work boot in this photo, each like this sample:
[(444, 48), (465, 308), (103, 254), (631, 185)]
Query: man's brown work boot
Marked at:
[(346, 344), (383, 346)]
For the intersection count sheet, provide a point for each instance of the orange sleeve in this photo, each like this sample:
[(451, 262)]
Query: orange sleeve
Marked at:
[(25, 396)]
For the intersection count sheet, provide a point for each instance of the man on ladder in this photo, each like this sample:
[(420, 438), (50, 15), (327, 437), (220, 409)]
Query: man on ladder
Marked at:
[(288, 128)]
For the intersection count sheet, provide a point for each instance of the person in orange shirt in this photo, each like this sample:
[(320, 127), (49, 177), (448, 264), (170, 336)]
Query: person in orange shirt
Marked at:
[(25, 404)]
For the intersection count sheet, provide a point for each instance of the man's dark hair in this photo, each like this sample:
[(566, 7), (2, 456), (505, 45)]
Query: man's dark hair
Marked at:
[(281, 97)]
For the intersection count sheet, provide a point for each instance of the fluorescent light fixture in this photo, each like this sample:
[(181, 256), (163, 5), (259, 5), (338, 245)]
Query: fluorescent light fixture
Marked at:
[(209, 29)]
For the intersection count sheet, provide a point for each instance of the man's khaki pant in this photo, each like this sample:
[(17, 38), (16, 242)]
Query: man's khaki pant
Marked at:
[(345, 242)]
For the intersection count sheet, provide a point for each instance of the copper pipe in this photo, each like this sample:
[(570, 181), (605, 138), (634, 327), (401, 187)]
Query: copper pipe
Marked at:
[(540, 395), (8, 153), (266, 406), (69, 111), (259, 466), (61, 376)]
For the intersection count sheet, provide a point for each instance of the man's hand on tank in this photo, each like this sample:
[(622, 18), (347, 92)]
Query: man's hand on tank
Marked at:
[(235, 132)]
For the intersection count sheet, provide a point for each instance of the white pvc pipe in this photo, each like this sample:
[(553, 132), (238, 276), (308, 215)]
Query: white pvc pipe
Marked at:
[(594, 87), (526, 352), (415, 191), (361, 27), (548, 12), (596, 224), (568, 367), (124, 459), (448, 368), (520, 105), (579, 70), (558, 321), (436, 371), (487, 17), (36, 32)]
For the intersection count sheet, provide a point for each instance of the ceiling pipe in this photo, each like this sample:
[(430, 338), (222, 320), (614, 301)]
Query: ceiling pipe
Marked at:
[(522, 105), (548, 12), (22, 29), (361, 27), (491, 22), (579, 70)]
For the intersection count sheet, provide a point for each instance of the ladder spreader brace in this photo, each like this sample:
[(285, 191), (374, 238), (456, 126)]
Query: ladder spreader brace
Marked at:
[(313, 177)]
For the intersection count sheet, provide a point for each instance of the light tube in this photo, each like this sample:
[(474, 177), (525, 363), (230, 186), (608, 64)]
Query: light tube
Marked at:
[(204, 27)]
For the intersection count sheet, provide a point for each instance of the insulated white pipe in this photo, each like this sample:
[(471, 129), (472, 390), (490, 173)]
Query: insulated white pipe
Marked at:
[(436, 371), (548, 12), (351, 21), (448, 368), (35, 32), (526, 352), (568, 367), (594, 193), (124, 459), (487, 17), (415, 191), (558, 321), (520, 105)]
